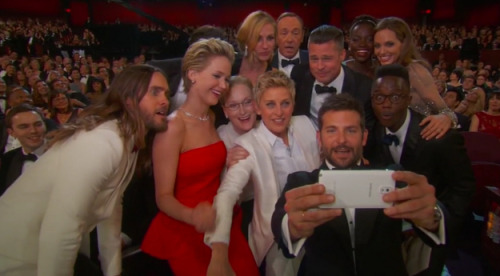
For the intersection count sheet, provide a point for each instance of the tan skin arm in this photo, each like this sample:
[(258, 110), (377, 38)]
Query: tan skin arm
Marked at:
[(166, 149)]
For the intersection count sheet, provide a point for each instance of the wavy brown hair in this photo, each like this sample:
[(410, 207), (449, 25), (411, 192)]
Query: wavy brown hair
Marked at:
[(409, 51), (121, 102)]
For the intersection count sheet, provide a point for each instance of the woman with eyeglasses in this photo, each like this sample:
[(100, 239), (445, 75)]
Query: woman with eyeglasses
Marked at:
[(238, 107)]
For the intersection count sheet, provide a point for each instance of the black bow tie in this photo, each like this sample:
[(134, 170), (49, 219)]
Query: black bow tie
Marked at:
[(324, 89), (29, 157), (286, 62), (389, 139)]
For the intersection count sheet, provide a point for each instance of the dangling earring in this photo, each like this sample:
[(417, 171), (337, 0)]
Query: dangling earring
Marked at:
[(246, 50)]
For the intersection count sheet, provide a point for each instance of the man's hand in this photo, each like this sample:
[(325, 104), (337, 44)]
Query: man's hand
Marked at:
[(203, 217), (301, 220), (415, 202), (236, 154)]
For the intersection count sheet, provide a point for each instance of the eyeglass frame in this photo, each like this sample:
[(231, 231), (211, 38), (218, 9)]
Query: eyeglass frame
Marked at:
[(247, 103), (391, 98)]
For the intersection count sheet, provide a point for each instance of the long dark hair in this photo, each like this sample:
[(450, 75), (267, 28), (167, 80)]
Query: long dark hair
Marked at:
[(121, 102)]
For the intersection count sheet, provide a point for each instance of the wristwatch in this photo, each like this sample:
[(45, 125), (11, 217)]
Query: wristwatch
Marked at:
[(437, 214)]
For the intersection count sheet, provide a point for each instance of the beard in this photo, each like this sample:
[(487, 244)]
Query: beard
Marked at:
[(151, 122), (342, 163)]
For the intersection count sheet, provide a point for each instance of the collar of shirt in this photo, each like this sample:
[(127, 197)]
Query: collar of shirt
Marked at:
[(270, 137), (331, 167), (38, 152), (280, 57), (401, 132), (337, 82)]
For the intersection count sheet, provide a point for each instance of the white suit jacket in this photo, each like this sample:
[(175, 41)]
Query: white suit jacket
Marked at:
[(259, 167), (73, 187)]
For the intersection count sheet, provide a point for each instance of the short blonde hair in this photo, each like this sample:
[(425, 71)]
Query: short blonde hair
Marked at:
[(199, 54), (235, 80), (273, 79), (248, 33)]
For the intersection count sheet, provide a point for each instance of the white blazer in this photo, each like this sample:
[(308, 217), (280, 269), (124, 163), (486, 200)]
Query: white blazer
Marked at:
[(73, 187), (258, 167)]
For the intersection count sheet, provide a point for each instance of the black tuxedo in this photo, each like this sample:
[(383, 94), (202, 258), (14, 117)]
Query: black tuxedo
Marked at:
[(378, 239), (10, 168), (355, 84), (303, 57), (447, 167)]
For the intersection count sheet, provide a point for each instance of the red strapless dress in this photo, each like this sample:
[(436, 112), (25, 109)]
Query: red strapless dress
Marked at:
[(197, 180)]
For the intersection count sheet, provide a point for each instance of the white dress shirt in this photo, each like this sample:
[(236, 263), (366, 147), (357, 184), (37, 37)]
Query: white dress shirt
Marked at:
[(318, 99), (287, 69)]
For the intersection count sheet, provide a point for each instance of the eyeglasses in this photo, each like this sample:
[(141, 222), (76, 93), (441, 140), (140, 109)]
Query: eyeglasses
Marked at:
[(393, 98), (235, 106)]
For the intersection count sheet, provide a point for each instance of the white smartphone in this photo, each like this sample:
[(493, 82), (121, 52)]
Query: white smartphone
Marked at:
[(357, 188)]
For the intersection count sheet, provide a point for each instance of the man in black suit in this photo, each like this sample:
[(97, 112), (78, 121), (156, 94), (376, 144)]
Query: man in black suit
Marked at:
[(290, 37), (351, 241), (325, 74), (26, 124), (444, 161)]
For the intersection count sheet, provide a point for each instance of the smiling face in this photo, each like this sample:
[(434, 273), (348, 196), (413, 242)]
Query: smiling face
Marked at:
[(275, 106), (239, 108), (153, 106), (29, 129), (290, 36), (325, 61), (391, 115), (211, 81), (361, 42), (265, 45), (60, 102), (341, 138), (387, 47)]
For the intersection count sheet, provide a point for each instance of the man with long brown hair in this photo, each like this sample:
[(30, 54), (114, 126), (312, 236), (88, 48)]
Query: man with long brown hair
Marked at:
[(78, 183)]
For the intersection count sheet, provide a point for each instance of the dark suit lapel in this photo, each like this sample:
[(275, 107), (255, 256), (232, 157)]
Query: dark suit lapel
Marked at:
[(275, 61), (348, 85), (386, 153), (411, 141), (304, 57)]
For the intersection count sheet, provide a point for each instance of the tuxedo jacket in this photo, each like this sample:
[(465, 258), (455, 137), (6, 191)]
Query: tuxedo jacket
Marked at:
[(447, 167), (329, 250), (259, 168), (7, 176), (303, 56), (355, 84)]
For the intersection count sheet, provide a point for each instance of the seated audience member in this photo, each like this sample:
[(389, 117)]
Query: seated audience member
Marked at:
[(351, 241), (41, 95), (453, 97), (325, 75), (279, 145), (443, 161), (95, 89), (469, 85), (59, 85), (290, 35), (470, 105), (488, 121), (3, 96), (76, 85), (25, 124), (455, 78), (61, 109)]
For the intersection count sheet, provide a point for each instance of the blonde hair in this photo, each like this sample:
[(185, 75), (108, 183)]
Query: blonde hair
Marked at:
[(249, 31), (199, 54), (273, 79), (409, 51), (235, 80)]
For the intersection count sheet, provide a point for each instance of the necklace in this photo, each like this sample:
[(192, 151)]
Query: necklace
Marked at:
[(203, 119)]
